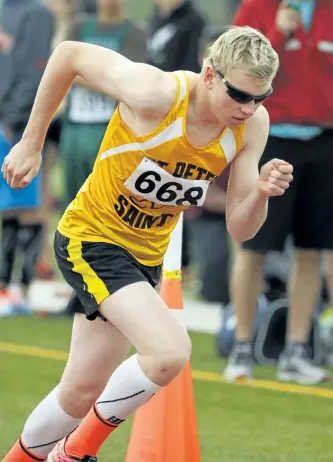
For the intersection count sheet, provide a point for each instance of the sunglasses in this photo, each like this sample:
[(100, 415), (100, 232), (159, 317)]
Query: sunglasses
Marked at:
[(239, 95)]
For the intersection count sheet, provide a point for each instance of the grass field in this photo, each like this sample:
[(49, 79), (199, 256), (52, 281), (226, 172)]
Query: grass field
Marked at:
[(237, 423)]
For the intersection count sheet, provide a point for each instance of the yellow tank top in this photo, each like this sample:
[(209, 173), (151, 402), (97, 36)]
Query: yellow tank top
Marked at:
[(140, 185)]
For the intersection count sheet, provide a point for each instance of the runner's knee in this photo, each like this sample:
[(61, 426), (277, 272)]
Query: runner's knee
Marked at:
[(78, 393), (171, 357)]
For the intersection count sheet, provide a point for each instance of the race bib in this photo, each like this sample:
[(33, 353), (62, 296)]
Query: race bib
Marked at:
[(153, 183), (87, 106)]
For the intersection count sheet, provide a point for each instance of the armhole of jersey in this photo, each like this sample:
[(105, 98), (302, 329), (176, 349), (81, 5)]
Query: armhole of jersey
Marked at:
[(183, 87), (242, 132), (228, 142)]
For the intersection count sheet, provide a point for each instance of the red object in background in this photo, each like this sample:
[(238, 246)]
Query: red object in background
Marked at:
[(303, 87)]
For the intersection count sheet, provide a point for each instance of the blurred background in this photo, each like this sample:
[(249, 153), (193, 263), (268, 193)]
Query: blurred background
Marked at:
[(260, 312)]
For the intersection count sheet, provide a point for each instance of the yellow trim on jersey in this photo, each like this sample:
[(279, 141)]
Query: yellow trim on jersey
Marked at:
[(173, 131), (95, 285)]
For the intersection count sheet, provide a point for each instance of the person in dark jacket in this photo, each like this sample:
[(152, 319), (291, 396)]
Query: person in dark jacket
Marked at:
[(301, 115), (26, 30), (174, 33)]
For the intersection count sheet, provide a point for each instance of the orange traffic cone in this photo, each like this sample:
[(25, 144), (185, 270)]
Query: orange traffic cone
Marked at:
[(165, 428)]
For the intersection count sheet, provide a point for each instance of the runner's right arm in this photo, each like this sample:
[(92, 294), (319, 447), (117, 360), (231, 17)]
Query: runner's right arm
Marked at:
[(143, 88), (146, 90)]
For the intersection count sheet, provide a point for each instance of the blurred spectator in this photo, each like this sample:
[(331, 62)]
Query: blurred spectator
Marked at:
[(175, 28), (301, 113), (174, 34), (234, 5), (65, 12), (89, 112), (26, 28), (207, 224), (89, 6)]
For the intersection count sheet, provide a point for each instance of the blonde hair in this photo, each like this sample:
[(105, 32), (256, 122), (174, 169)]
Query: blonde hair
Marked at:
[(246, 48)]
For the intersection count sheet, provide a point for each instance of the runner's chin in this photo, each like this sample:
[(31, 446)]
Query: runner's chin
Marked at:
[(233, 122)]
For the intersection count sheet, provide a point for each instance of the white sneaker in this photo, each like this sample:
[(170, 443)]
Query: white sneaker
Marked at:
[(295, 365), (240, 362)]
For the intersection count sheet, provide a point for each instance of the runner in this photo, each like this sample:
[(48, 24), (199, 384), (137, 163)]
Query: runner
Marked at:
[(170, 137)]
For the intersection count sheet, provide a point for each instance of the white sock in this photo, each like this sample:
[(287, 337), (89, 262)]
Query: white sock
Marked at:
[(47, 425), (127, 389)]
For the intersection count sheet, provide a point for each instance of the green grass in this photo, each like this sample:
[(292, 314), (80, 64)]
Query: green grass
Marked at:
[(236, 424)]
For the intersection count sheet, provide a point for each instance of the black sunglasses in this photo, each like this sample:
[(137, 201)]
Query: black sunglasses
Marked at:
[(239, 95)]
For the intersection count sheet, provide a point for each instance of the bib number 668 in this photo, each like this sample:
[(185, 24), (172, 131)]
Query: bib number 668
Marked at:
[(168, 193)]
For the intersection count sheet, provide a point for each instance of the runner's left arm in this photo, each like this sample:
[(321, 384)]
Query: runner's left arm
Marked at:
[(246, 208), (249, 189)]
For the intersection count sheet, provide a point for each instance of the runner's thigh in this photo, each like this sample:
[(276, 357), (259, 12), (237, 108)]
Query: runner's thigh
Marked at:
[(97, 348), (142, 316)]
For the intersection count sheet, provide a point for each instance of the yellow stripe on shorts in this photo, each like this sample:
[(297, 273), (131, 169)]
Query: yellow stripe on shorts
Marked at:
[(94, 284)]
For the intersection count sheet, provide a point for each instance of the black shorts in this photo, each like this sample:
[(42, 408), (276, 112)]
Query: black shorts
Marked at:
[(96, 270), (305, 211)]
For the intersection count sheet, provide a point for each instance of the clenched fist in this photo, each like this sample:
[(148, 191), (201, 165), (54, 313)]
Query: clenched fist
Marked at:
[(21, 165), (275, 177)]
